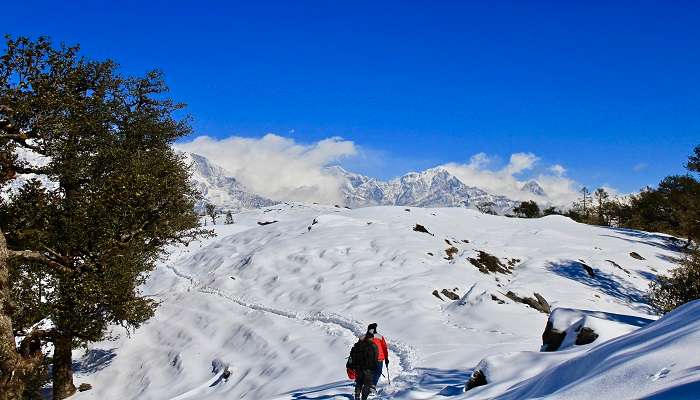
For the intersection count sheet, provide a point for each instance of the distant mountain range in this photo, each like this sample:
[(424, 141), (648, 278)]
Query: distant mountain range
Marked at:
[(434, 187)]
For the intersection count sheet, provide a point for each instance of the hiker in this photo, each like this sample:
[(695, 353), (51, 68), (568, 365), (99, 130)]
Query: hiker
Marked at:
[(363, 361), (382, 353)]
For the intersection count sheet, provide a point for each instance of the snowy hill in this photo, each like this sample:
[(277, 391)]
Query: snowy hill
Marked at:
[(281, 304)]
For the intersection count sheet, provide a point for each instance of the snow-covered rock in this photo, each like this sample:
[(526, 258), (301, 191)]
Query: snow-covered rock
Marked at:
[(657, 361)]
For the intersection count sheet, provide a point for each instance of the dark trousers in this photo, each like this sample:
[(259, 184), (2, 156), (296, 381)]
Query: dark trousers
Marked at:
[(363, 384), (377, 372)]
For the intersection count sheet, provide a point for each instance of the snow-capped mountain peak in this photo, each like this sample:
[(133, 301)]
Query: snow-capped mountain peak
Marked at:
[(220, 188), (533, 187)]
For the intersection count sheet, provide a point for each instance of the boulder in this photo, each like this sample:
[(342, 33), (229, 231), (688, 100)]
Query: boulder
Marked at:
[(477, 379), (450, 294)]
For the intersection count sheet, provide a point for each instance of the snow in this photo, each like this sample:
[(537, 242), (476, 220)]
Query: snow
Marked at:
[(281, 305)]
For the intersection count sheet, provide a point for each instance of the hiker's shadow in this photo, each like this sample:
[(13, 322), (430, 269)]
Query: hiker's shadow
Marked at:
[(335, 390)]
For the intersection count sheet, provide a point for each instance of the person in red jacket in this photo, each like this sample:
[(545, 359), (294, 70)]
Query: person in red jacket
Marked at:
[(382, 352)]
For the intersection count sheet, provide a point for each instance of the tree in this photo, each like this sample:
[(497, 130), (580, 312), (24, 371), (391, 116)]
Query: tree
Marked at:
[(585, 194), (682, 286), (229, 218), (693, 164), (601, 197), (211, 212), (118, 194), (527, 209), (551, 210)]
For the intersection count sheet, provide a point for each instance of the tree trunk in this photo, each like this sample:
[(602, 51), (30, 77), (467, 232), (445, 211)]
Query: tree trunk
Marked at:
[(14, 369), (62, 369)]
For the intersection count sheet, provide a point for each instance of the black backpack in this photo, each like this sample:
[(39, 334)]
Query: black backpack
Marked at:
[(363, 356)]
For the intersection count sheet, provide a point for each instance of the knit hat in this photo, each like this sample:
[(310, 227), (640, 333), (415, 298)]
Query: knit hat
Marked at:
[(372, 328)]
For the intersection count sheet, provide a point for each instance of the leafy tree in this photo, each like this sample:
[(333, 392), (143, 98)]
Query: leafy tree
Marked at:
[(527, 209), (229, 218), (79, 247), (682, 286), (211, 212)]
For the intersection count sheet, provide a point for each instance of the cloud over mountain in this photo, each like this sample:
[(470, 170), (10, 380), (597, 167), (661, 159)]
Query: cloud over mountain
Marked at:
[(278, 167)]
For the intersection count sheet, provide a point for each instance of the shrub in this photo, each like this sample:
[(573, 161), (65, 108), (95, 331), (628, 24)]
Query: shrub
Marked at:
[(682, 286)]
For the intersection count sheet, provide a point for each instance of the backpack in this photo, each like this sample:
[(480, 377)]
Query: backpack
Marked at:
[(363, 356)]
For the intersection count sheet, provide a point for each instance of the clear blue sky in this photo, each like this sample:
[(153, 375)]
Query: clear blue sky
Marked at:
[(599, 88)]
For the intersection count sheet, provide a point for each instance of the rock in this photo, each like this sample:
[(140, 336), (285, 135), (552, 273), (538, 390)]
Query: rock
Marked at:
[(450, 295), (430, 254), (636, 256), (589, 270), (263, 223), (486, 263), (585, 336), (477, 379), (497, 300), (437, 294), (421, 228), (551, 338), (538, 303), (451, 251), (618, 266), (84, 387)]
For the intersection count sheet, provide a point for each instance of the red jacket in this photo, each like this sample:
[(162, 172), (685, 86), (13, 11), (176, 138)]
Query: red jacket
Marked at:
[(382, 351)]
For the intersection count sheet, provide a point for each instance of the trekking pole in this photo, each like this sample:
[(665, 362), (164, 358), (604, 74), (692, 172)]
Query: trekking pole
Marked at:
[(388, 376)]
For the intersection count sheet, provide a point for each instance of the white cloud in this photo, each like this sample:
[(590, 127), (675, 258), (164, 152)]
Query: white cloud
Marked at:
[(520, 162), (278, 167), (560, 190), (557, 169)]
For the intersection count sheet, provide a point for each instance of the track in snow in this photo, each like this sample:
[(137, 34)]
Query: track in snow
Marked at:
[(405, 353)]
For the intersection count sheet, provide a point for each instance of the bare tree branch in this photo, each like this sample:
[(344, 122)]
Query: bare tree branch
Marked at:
[(31, 255)]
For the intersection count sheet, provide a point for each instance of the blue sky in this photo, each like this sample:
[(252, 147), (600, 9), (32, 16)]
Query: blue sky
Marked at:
[(609, 91)]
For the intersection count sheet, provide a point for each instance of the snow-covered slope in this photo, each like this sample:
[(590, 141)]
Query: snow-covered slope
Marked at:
[(434, 187), (281, 304), (220, 188), (658, 361)]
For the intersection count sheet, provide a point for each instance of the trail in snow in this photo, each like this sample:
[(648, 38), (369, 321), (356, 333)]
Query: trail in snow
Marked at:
[(405, 353)]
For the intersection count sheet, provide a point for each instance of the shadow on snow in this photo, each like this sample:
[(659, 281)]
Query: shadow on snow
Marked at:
[(602, 281)]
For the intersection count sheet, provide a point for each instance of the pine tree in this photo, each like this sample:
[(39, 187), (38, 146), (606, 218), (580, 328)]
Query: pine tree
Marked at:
[(601, 197), (527, 209), (211, 212), (585, 194), (229, 218), (693, 164), (119, 195)]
